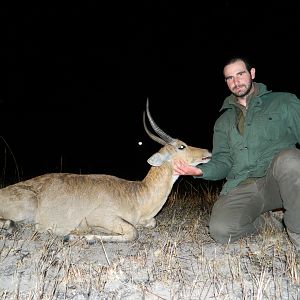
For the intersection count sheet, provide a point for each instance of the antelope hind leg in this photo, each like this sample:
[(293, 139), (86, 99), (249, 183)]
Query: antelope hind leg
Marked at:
[(148, 223)]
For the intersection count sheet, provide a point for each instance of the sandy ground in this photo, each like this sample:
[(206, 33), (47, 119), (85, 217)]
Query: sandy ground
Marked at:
[(176, 260)]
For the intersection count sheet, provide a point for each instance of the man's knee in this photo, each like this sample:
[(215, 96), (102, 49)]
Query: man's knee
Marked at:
[(288, 160), (226, 232), (220, 233)]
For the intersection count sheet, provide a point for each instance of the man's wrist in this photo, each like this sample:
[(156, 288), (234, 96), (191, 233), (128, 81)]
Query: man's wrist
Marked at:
[(200, 172)]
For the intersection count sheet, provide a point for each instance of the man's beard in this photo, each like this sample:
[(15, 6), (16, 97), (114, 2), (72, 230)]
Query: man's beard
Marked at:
[(243, 93)]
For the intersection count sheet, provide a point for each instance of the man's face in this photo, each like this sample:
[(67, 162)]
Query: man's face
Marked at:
[(238, 78)]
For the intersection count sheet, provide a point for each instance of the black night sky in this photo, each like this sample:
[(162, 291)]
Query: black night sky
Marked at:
[(75, 78)]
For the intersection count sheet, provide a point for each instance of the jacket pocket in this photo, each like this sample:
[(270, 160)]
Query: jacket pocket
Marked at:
[(270, 126)]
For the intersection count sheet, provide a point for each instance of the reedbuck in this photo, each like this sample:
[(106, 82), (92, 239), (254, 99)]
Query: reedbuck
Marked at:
[(99, 206)]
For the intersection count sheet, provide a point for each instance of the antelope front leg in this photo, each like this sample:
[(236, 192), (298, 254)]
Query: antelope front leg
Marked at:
[(116, 230)]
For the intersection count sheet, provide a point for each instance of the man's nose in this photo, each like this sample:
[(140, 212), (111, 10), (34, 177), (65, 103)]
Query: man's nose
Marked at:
[(235, 80)]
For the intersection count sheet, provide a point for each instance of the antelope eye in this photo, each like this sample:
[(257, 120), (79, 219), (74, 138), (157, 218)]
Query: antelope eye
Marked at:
[(181, 147)]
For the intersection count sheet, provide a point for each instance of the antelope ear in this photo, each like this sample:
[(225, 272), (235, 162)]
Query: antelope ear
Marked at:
[(157, 159)]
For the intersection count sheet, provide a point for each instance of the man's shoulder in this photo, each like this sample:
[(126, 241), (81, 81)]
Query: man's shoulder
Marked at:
[(276, 94), (279, 97), (264, 93)]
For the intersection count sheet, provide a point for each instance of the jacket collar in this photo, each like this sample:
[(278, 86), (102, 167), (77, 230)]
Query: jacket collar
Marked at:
[(261, 90)]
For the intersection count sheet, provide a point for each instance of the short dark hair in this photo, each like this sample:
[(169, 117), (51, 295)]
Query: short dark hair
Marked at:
[(234, 59)]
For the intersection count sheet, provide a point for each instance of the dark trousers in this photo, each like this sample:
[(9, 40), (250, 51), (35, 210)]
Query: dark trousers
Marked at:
[(238, 213)]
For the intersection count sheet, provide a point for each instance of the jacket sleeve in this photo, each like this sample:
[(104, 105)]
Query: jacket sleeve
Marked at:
[(220, 164)]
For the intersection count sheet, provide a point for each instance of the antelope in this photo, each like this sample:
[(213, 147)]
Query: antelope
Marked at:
[(99, 206)]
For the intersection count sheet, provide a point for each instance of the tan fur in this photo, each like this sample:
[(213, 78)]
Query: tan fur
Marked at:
[(90, 204)]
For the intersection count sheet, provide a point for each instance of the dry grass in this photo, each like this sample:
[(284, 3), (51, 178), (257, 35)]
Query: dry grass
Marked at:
[(176, 260)]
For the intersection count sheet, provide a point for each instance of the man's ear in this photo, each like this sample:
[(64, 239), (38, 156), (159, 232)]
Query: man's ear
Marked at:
[(252, 72)]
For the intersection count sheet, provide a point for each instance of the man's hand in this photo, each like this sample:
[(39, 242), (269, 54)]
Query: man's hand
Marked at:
[(182, 168)]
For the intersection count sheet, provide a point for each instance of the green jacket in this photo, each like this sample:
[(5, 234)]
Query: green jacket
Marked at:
[(272, 123)]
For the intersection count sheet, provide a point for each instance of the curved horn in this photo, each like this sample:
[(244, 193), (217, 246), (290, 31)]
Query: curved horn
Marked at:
[(160, 132), (151, 135)]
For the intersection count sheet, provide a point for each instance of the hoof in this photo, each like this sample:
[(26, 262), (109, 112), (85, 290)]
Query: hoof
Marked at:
[(91, 242), (8, 226), (66, 238)]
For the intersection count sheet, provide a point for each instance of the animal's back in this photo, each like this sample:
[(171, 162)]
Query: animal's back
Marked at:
[(61, 201)]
